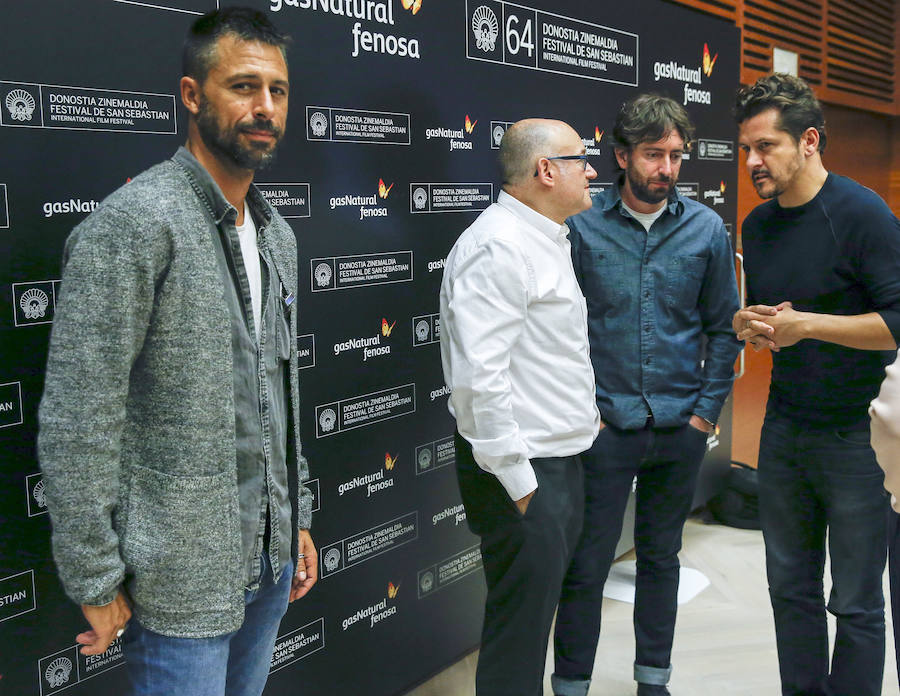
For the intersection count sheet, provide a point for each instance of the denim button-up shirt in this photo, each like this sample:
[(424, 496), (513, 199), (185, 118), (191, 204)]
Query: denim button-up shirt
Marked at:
[(660, 304), (260, 397)]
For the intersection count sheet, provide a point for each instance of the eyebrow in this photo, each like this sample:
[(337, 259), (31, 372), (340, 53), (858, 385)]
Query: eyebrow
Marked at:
[(254, 76)]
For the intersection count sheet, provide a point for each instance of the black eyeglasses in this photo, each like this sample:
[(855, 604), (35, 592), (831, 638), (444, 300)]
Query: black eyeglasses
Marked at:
[(583, 158)]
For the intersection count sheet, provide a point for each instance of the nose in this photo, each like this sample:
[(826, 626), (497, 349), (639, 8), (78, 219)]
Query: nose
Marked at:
[(753, 159), (264, 106), (590, 172), (665, 166)]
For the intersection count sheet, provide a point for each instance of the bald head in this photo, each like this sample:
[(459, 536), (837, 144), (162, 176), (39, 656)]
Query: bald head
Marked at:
[(527, 141)]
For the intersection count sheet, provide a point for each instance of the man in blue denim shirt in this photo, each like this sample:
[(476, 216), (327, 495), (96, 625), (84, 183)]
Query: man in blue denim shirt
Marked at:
[(657, 272)]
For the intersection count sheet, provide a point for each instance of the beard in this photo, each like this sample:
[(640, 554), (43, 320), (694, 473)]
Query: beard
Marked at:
[(227, 145), (773, 185), (641, 188)]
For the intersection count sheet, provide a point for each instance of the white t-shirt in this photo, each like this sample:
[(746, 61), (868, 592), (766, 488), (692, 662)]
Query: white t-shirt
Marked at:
[(646, 219), (250, 252)]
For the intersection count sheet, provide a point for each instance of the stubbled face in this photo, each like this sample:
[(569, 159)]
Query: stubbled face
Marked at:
[(651, 168), (243, 103), (774, 158), (573, 190)]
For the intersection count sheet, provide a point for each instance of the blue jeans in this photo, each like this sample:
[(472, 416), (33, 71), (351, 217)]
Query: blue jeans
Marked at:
[(815, 485), (666, 462), (234, 664)]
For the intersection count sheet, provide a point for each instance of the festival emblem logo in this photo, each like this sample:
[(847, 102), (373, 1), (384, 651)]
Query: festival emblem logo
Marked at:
[(323, 275), (20, 105), (327, 420), (424, 458), (318, 123), (423, 329), (34, 303), (497, 135), (58, 672), (426, 581), (39, 496), (485, 27), (36, 495), (332, 559), (420, 198)]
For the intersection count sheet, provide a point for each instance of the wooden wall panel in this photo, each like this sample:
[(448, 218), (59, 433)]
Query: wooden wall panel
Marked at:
[(847, 49)]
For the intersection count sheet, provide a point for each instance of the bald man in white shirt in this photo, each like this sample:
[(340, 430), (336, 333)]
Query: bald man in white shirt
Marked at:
[(515, 353)]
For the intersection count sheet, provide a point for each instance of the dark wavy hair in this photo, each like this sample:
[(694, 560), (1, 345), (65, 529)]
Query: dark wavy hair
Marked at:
[(798, 108), (648, 118), (247, 24)]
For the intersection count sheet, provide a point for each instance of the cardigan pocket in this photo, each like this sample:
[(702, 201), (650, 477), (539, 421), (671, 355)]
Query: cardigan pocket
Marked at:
[(182, 540)]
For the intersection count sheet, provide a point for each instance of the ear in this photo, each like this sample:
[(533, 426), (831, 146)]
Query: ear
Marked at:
[(809, 141), (190, 94), (545, 172), (622, 157)]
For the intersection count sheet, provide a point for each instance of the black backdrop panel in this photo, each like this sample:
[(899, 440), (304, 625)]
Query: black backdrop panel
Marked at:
[(390, 154)]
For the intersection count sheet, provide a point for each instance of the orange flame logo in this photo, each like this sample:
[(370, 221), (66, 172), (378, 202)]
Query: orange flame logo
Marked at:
[(385, 328), (708, 62), (382, 191), (469, 125), (389, 461), (722, 187), (598, 134), (414, 5), (393, 590)]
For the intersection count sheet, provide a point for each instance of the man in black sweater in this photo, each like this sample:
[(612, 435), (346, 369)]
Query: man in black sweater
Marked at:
[(822, 257)]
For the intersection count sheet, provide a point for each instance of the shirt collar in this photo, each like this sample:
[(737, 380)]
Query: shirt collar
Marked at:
[(541, 223), (209, 192), (613, 196)]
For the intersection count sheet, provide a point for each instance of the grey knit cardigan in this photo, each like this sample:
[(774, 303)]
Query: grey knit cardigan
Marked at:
[(137, 429)]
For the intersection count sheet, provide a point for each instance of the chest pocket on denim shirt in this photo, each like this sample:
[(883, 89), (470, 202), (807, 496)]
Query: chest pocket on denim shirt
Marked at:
[(684, 279), (283, 329), (603, 276)]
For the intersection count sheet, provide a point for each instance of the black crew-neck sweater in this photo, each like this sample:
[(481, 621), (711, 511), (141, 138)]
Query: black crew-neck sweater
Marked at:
[(837, 254)]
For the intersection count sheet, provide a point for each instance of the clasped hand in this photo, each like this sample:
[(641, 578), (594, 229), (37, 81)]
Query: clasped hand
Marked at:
[(767, 326)]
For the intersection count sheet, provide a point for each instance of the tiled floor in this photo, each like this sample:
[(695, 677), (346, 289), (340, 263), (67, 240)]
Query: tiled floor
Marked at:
[(724, 643)]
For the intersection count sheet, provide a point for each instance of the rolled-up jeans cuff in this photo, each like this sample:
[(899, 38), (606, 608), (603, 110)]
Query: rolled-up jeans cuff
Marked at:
[(569, 687), (652, 675)]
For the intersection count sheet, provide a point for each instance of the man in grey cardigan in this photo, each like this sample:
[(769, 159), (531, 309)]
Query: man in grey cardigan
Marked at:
[(169, 430)]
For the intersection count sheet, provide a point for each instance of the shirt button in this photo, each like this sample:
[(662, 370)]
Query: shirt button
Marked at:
[(646, 293), (647, 361), (646, 327)]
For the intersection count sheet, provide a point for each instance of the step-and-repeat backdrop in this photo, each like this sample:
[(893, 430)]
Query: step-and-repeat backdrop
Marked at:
[(397, 110)]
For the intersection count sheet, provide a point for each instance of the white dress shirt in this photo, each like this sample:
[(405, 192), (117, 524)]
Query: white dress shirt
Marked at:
[(885, 414), (514, 344)]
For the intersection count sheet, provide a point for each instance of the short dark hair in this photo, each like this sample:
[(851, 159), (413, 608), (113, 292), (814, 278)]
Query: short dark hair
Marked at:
[(199, 52), (797, 106), (648, 118)]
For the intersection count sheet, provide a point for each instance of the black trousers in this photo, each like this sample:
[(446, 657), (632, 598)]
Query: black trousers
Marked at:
[(525, 558)]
